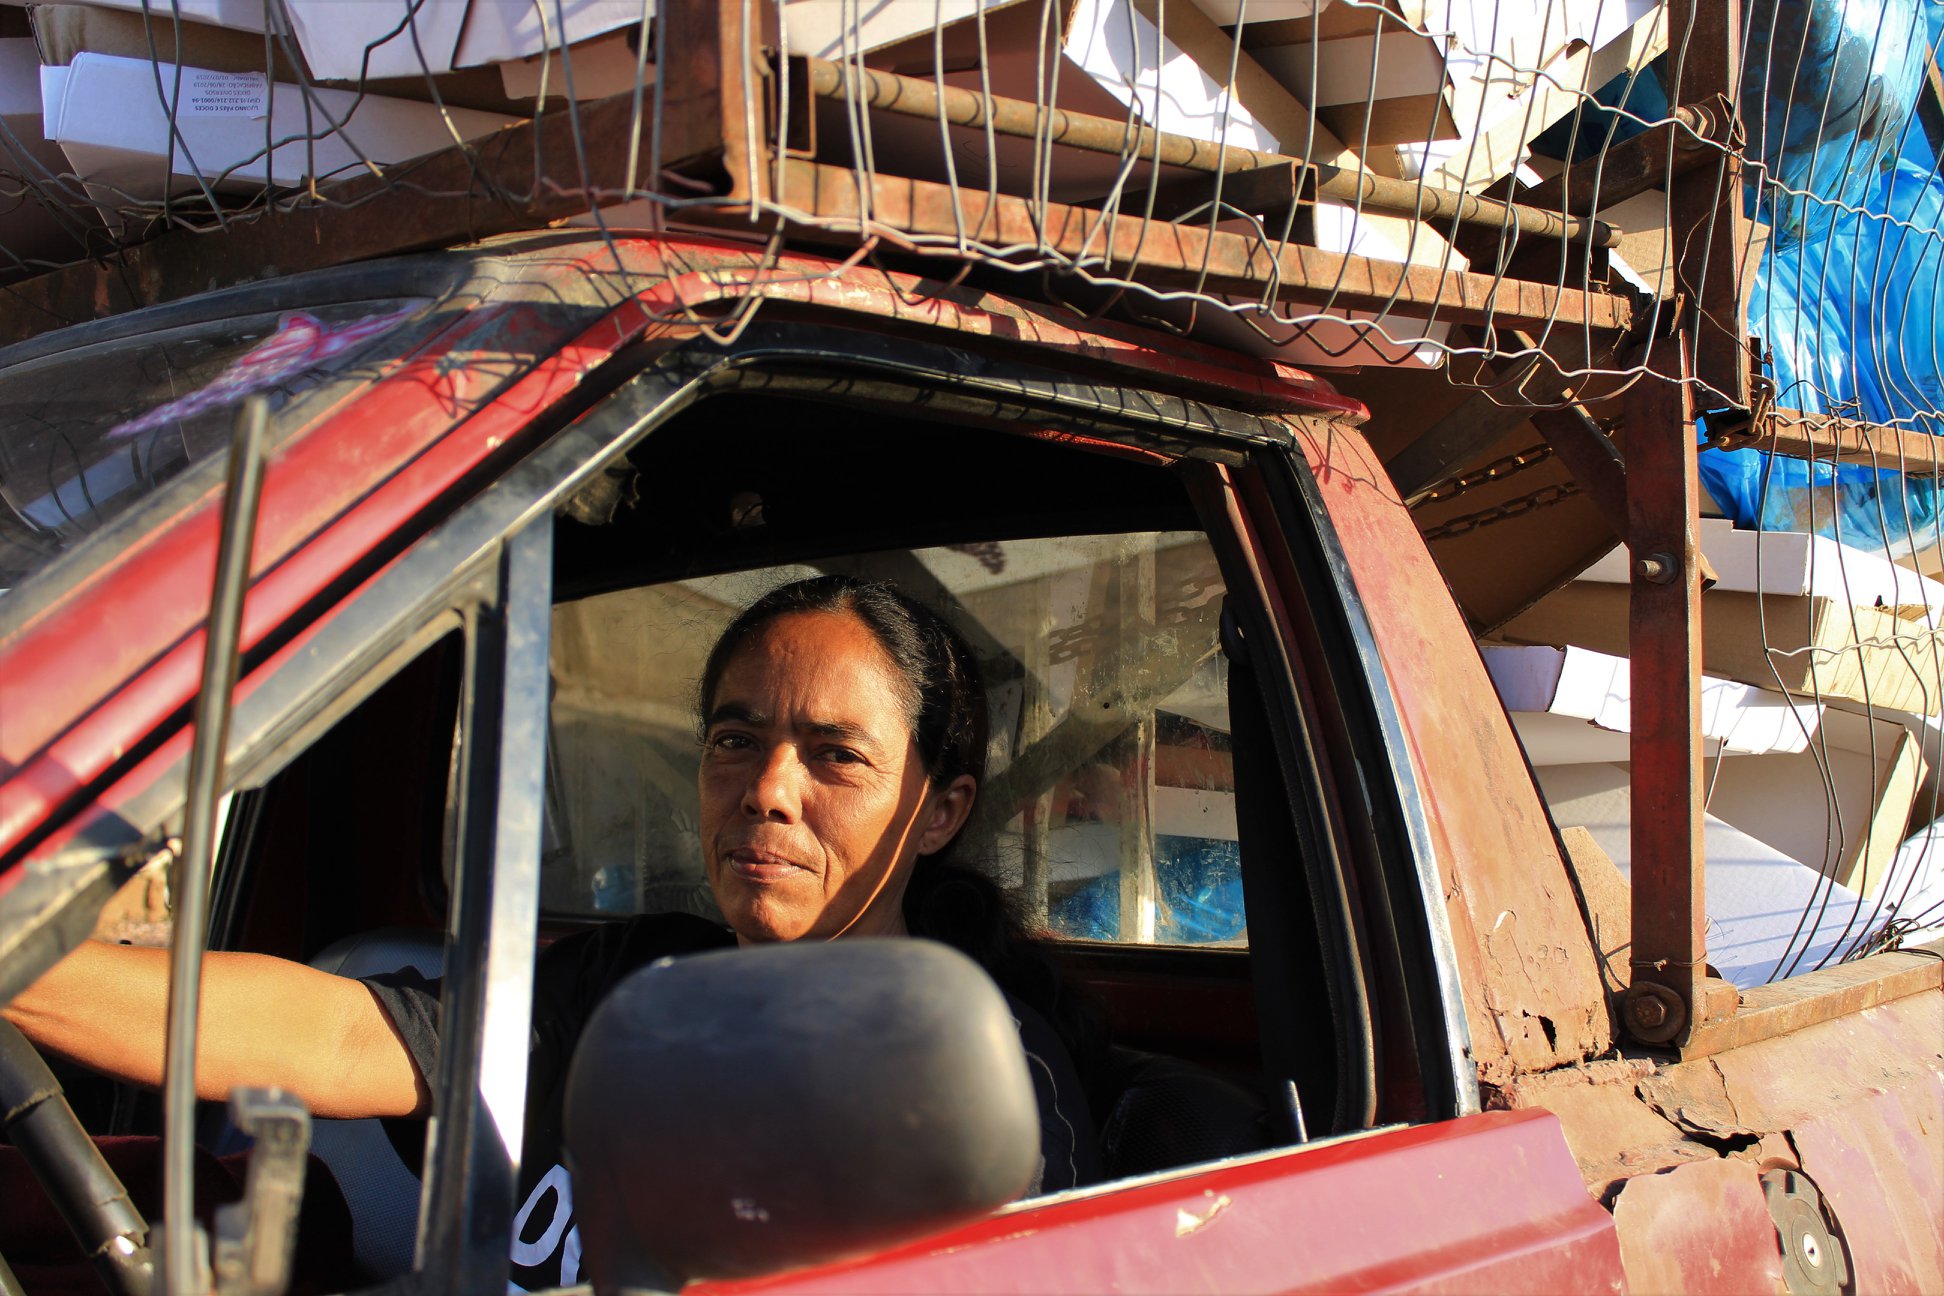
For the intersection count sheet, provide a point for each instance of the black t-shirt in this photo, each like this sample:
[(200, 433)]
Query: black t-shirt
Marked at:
[(571, 977)]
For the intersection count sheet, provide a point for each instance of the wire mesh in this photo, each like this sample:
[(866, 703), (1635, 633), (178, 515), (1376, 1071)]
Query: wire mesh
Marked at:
[(1506, 204)]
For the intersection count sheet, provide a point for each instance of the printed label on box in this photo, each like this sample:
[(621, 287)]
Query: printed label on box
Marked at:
[(224, 94)]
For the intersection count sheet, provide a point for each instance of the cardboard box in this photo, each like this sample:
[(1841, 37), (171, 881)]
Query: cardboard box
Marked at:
[(1373, 75), (1828, 620), (66, 31), (1842, 807), (1516, 66), (1794, 563), (238, 15), (37, 228), (1756, 896), (1818, 647), (1087, 81), (835, 29), (350, 40), (607, 65), (112, 120), (1573, 706)]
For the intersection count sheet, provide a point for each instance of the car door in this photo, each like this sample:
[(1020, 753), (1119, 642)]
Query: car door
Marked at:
[(1161, 609)]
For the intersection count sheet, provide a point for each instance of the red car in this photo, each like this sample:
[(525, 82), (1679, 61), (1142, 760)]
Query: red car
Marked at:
[(1252, 781)]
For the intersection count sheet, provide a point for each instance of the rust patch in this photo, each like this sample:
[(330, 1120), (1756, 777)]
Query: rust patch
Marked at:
[(1532, 991), (1695, 1096), (1879, 1164), (1613, 1133), (1777, 1084), (1698, 1228)]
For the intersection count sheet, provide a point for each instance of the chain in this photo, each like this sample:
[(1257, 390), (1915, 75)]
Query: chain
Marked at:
[(1512, 508), (1497, 470)]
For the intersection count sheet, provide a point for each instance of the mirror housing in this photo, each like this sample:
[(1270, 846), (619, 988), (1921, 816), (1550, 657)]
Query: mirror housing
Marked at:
[(742, 1112)]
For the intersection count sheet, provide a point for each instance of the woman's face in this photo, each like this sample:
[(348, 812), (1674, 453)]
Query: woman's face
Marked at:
[(814, 799)]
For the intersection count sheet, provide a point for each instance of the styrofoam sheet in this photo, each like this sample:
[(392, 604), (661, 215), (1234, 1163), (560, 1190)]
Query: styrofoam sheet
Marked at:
[(1767, 915), (1596, 688)]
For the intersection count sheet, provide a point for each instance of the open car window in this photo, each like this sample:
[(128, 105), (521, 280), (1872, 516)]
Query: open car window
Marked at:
[(1109, 806)]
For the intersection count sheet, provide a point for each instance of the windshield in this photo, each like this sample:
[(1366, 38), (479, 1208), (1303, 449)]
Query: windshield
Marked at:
[(88, 432)]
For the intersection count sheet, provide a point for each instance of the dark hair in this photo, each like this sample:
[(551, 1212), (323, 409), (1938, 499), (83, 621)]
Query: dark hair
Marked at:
[(944, 697), (946, 899)]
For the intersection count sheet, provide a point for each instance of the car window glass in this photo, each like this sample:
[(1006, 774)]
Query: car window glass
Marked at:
[(1109, 804), (87, 433)]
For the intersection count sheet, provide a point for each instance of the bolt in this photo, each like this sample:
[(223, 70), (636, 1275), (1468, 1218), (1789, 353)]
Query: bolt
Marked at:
[(1658, 568), (1647, 1013), (1811, 1251)]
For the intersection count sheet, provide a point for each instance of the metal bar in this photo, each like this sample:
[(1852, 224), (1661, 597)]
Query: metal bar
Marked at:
[(1633, 166), (1140, 891), (1827, 436), (916, 97), (1710, 233), (36, 1118), (707, 90), (479, 1095), (1799, 1002), (1590, 455), (1035, 720), (1664, 641), (1514, 396), (1165, 255), (184, 1263)]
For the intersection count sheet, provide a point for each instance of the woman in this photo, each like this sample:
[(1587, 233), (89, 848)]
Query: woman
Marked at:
[(843, 732)]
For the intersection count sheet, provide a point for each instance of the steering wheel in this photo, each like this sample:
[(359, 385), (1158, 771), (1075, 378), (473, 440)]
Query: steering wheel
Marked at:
[(70, 1168)]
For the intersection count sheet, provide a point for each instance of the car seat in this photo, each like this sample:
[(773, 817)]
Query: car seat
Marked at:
[(1162, 1112), (382, 1191)]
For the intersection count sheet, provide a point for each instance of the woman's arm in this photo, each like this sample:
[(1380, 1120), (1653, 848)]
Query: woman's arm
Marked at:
[(264, 1021)]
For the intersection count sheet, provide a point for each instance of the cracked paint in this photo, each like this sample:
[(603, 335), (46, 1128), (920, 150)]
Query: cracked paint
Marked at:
[(1187, 1221)]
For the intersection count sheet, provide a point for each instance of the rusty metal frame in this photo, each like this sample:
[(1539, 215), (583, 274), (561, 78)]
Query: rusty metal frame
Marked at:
[(1710, 232), (710, 119), (1167, 255), (915, 97), (1670, 994), (1800, 435)]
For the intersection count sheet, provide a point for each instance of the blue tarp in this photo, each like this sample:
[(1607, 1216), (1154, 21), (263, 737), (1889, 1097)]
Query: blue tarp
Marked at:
[(1846, 297)]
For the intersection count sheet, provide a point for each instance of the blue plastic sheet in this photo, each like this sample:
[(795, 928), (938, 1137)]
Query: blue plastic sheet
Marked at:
[(1846, 297), (1199, 881)]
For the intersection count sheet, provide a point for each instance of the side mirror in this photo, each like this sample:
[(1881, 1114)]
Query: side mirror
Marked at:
[(747, 1111)]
